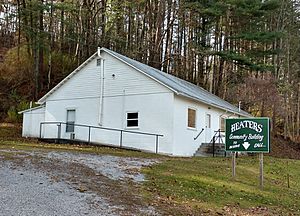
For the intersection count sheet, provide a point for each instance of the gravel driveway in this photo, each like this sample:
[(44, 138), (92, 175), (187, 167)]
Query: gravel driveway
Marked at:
[(67, 183)]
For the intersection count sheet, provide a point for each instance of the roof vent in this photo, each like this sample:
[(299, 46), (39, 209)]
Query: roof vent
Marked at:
[(98, 62)]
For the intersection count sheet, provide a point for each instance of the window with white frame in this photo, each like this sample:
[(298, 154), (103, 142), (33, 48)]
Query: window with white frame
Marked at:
[(70, 120), (132, 119), (191, 118)]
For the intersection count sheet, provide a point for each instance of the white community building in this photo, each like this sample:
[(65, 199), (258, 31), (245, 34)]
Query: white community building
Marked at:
[(113, 100)]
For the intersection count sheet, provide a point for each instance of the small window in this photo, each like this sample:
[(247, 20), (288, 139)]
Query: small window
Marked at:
[(98, 62), (70, 120), (191, 118), (208, 121), (222, 124), (132, 119)]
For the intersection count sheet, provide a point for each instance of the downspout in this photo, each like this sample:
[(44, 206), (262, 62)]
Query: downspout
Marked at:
[(101, 88)]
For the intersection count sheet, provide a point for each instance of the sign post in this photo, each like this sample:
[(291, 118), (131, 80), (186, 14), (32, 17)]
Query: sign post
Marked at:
[(261, 170), (248, 135), (233, 164)]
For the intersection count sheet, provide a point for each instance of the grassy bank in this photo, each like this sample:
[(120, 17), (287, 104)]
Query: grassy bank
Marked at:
[(206, 184)]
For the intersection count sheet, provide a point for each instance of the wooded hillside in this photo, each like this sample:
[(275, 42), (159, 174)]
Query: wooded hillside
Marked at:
[(240, 50)]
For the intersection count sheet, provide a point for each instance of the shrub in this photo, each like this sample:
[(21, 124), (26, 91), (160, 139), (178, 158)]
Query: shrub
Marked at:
[(12, 114)]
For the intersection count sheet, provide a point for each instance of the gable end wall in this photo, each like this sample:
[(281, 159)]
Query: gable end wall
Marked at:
[(128, 90)]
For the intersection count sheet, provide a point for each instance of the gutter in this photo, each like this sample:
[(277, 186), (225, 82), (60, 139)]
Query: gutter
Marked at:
[(31, 109), (214, 105)]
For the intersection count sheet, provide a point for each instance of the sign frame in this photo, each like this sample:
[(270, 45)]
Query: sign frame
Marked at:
[(264, 121)]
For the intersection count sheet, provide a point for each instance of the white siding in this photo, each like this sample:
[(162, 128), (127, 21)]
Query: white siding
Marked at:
[(56, 111), (31, 122), (85, 83), (184, 143), (127, 79), (129, 90), (155, 116)]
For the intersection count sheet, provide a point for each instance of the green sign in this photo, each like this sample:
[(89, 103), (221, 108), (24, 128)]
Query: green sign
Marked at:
[(247, 135)]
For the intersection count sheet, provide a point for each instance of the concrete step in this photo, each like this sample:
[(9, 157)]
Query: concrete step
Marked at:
[(206, 149)]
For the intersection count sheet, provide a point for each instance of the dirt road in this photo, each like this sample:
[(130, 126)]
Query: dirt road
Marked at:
[(42, 182)]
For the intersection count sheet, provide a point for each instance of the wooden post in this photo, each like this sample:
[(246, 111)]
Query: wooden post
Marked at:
[(288, 174), (261, 170), (233, 164)]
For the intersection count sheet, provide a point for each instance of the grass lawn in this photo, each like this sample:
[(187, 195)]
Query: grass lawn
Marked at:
[(206, 183), (199, 186)]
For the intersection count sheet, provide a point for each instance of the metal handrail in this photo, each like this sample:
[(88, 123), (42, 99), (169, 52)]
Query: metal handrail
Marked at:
[(220, 138), (220, 135), (211, 141), (199, 134), (102, 128)]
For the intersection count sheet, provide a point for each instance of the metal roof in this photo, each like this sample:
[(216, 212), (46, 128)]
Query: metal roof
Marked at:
[(180, 86)]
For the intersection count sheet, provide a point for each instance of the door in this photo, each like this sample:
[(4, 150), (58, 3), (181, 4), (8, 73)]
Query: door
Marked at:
[(70, 121), (207, 127)]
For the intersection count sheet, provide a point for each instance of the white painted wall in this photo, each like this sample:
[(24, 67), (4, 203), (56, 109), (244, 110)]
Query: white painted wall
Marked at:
[(56, 111), (155, 116), (127, 91), (84, 84), (128, 79), (184, 143), (31, 122)]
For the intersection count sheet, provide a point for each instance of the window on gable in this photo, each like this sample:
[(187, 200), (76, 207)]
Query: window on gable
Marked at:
[(70, 120), (132, 119), (191, 118)]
